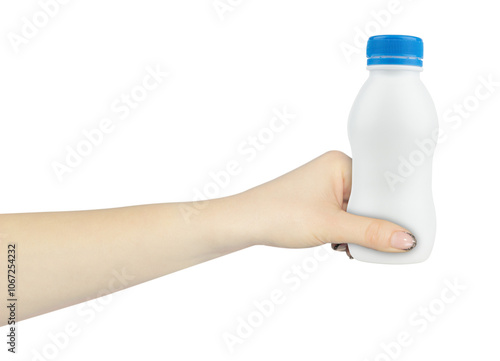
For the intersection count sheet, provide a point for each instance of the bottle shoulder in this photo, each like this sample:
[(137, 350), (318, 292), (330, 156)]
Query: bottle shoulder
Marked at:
[(402, 103), (394, 95)]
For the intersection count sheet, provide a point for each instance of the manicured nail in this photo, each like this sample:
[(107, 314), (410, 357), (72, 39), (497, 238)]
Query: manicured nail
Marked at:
[(341, 247), (403, 240), (348, 252)]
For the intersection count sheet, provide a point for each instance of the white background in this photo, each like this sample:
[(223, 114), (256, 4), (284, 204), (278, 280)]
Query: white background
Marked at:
[(225, 77)]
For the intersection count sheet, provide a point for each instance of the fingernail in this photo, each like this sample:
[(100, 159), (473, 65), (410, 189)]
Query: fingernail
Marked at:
[(341, 247), (403, 240), (348, 252)]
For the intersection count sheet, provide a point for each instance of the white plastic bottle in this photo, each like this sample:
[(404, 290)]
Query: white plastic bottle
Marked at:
[(393, 130)]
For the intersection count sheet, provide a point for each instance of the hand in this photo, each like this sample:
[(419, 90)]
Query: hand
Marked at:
[(307, 207)]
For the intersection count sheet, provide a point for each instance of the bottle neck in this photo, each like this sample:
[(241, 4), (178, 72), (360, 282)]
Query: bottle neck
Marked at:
[(394, 70)]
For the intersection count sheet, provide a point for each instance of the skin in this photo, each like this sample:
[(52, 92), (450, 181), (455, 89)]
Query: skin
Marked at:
[(65, 258)]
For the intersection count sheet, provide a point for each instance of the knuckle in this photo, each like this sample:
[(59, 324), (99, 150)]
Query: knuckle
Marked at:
[(341, 160), (334, 155), (374, 234)]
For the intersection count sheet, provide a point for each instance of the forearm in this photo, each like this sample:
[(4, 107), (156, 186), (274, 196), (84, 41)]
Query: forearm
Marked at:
[(65, 258)]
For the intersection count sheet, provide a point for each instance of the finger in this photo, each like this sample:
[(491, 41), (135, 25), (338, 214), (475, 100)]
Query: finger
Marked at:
[(345, 165), (373, 233)]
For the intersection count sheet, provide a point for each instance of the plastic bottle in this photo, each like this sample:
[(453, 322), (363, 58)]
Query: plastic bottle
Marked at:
[(393, 130)]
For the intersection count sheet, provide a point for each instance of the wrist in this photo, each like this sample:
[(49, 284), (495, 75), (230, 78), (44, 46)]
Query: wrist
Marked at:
[(228, 223)]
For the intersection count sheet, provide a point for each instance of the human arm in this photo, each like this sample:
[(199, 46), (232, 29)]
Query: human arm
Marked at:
[(69, 257)]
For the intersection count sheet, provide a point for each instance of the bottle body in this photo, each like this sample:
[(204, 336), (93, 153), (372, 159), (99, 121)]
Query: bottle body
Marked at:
[(393, 130)]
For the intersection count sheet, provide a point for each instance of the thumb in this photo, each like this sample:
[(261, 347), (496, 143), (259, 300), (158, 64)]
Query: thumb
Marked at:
[(373, 233)]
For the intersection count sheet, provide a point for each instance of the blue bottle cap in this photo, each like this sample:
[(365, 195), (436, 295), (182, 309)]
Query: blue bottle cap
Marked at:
[(395, 49)]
